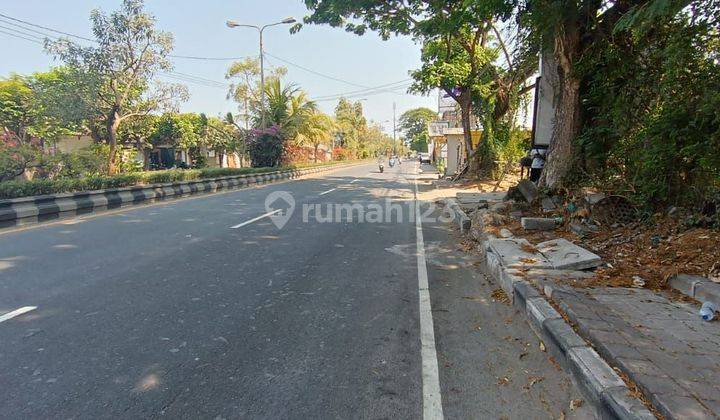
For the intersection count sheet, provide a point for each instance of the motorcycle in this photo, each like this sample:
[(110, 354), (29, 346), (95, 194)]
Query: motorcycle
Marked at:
[(382, 168)]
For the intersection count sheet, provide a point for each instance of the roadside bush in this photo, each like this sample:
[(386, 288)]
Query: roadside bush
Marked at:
[(266, 147), (340, 153), (15, 158), (651, 101), (16, 189)]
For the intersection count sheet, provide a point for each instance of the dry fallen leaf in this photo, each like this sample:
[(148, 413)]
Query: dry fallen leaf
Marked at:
[(500, 296), (542, 346), (575, 404), (503, 381), (533, 380)]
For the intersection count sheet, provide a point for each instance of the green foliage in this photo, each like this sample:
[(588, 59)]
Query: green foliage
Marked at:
[(414, 123), (350, 124), (116, 74), (266, 146), (461, 49), (24, 109), (90, 161), (652, 98), (315, 130), (183, 131), (287, 107), (16, 189), (245, 84), (15, 158)]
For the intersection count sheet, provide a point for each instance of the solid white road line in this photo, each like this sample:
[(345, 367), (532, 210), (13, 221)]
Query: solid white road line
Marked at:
[(432, 400), (17, 312), (328, 191), (256, 219)]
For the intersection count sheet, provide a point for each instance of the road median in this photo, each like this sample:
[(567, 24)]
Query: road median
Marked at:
[(45, 208)]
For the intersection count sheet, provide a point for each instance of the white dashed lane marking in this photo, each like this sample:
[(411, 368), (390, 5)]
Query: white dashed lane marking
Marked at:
[(17, 312)]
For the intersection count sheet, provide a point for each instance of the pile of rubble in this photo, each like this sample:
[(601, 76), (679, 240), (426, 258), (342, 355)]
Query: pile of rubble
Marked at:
[(635, 254)]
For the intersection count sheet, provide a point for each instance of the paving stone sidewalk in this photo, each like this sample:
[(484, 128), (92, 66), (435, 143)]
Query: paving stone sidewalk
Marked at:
[(663, 345)]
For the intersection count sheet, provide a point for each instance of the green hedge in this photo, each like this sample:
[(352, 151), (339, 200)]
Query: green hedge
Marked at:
[(17, 189)]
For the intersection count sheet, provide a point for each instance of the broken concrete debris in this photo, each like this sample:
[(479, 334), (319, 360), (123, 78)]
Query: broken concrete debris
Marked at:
[(537, 223), (518, 253), (505, 233), (528, 189), (548, 205), (565, 255)]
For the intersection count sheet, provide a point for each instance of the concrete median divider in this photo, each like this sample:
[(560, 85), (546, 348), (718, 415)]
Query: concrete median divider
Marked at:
[(44, 208)]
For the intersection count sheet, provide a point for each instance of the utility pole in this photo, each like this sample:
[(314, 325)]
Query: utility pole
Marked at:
[(261, 29), (394, 131)]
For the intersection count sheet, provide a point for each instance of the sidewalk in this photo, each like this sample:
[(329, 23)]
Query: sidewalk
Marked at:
[(665, 354), (662, 345)]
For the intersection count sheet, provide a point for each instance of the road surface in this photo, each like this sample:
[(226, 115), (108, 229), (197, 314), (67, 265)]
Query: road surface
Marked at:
[(203, 308)]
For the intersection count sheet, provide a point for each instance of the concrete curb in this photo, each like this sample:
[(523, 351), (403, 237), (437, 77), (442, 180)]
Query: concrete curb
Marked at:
[(37, 209), (697, 287), (599, 383)]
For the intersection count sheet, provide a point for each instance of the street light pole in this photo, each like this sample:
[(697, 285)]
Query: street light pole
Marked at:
[(262, 80), (261, 29)]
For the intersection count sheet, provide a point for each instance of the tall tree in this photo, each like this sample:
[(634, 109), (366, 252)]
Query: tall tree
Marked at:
[(350, 123), (245, 84), (130, 51), (317, 129), (567, 30), (24, 109), (286, 106), (414, 123), (455, 36)]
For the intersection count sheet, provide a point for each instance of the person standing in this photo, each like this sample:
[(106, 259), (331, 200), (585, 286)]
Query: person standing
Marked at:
[(538, 163)]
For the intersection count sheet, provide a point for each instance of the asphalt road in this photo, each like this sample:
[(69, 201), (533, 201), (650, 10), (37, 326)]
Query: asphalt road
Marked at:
[(200, 308)]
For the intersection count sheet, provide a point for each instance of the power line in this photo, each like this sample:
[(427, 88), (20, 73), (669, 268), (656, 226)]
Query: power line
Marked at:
[(192, 57), (386, 88), (185, 57), (323, 98), (16, 31), (21, 37), (387, 85), (366, 91), (172, 74), (25, 28), (191, 81), (316, 72), (202, 79), (359, 95), (46, 28)]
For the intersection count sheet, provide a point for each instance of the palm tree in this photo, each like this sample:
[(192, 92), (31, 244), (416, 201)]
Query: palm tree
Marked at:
[(286, 106), (314, 130)]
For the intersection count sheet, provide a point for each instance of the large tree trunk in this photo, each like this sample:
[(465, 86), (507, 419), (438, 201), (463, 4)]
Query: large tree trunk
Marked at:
[(113, 123), (316, 152), (562, 153), (465, 102)]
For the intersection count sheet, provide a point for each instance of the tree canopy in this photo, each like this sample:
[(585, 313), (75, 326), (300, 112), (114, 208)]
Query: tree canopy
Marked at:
[(414, 124), (118, 71)]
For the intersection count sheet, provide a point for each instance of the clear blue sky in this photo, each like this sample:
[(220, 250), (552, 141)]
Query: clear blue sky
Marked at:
[(199, 30)]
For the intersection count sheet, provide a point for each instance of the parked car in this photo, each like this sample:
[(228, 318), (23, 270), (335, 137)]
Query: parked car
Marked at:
[(424, 158)]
